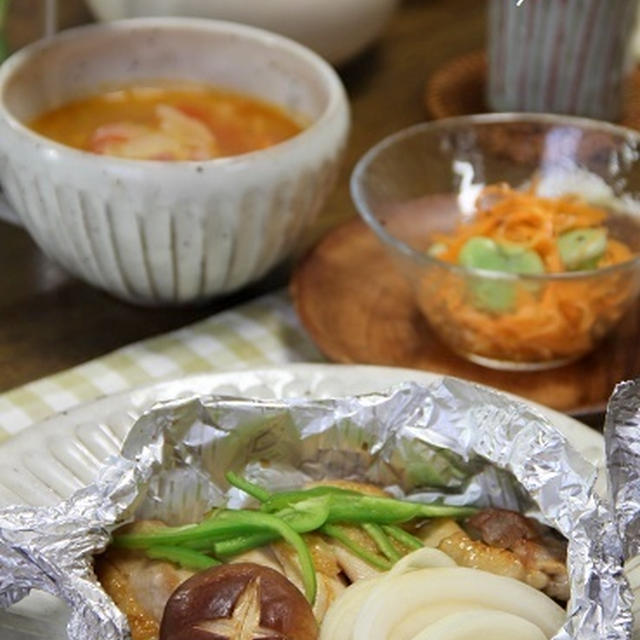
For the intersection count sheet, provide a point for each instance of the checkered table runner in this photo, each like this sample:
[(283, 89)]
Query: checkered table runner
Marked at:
[(263, 332)]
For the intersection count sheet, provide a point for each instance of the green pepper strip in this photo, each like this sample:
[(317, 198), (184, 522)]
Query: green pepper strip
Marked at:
[(387, 510), (296, 541), (241, 544), (232, 523), (225, 524), (352, 507), (286, 498), (371, 558), (254, 490), (186, 558), (383, 543), (403, 537), (304, 516)]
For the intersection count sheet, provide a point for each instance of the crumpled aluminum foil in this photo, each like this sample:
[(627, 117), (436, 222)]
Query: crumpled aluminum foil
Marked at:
[(622, 439), (451, 439)]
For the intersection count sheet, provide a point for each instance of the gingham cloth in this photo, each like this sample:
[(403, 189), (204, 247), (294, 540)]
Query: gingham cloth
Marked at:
[(263, 332)]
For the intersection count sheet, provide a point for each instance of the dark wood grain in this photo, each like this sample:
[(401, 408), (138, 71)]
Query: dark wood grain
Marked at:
[(50, 321), (25, 21), (378, 322)]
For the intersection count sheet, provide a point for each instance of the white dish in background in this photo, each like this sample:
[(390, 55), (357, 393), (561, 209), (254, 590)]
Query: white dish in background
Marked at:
[(47, 462), (336, 29), (156, 232)]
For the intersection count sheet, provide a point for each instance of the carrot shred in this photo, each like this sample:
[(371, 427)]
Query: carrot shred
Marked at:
[(550, 320)]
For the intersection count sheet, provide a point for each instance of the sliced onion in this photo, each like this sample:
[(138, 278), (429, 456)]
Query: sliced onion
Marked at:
[(413, 624), (397, 597), (472, 625), (339, 621), (426, 558)]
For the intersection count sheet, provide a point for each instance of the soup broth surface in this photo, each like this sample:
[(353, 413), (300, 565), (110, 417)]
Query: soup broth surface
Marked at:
[(168, 122)]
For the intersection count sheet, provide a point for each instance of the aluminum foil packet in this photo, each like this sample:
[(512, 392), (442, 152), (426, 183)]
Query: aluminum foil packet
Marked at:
[(451, 439), (622, 440)]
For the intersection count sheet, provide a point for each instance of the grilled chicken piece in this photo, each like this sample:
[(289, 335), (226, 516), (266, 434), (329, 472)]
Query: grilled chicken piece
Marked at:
[(505, 543), (478, 555), (140, 588), (535, 554), (502, 528), (433, 532), (538, 548)]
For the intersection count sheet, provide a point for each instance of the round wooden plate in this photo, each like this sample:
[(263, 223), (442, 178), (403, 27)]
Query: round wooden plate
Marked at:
[(358, 309), (457, 89)]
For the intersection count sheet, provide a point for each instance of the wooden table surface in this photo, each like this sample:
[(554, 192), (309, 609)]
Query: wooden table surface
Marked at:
[(50, 321)]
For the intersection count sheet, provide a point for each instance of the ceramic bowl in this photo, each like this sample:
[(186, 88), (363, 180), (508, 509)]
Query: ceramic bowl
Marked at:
[(336, 29), (425, 180), (169, 232)]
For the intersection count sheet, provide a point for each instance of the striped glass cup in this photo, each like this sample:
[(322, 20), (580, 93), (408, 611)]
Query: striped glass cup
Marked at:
[(559, 56)]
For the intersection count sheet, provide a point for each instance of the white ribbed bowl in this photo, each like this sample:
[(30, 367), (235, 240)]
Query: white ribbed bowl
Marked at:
[(336, 29), (163, 232)]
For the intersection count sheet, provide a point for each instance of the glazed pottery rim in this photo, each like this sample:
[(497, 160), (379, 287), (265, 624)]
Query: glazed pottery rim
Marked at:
[(325, 75)]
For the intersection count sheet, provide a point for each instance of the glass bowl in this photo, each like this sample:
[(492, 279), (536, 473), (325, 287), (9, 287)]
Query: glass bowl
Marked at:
[(425, 180)]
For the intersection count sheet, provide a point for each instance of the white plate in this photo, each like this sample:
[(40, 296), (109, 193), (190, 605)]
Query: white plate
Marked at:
[(49, 461)]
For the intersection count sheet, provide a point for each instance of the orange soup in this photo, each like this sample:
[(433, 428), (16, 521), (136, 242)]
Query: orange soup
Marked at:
[(168, 122)]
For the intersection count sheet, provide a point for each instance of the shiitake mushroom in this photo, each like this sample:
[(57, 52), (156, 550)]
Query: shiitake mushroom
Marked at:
[(243, 601)]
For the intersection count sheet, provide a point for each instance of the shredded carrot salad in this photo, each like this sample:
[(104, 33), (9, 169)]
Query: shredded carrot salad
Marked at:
[(528, 321), (524, 218)]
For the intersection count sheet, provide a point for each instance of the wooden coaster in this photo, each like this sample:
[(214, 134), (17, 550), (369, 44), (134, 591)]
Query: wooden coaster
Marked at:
[(358, 309), (457, 89)]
